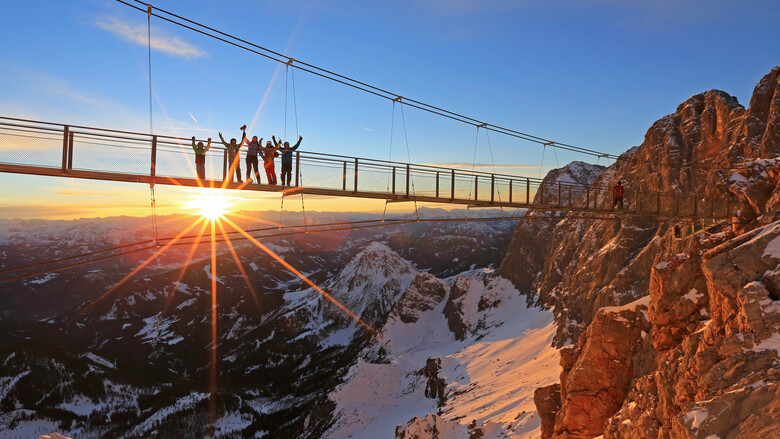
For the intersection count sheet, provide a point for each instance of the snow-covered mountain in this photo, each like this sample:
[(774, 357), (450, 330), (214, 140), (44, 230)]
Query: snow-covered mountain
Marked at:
[(281, 346)]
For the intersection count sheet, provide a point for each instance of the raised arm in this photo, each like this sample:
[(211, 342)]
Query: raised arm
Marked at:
[(208, 145), (244, 140), (194, 148), (297, 144), (223, 141)]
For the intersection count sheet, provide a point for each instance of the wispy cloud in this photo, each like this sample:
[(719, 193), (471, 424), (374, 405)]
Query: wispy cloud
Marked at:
[(137, 33)]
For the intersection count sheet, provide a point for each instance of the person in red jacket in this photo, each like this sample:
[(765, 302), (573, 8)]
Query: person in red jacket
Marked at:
[(617, 195)]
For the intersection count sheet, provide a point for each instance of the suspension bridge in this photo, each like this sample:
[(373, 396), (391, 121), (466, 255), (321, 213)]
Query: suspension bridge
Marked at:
[(57, 150)]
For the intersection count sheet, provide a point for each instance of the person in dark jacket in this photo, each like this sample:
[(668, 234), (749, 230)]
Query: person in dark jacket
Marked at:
[(269, 152), (252, 149), (617, 195), (200, 157), (233, 158), (287, 160)]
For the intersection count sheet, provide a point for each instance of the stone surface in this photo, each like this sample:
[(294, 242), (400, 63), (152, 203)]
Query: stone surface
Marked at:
[(425, 292), (548, 402), (702, 362), (598, 380)]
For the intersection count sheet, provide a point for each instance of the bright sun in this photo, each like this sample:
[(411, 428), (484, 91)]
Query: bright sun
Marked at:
[(210, 206)]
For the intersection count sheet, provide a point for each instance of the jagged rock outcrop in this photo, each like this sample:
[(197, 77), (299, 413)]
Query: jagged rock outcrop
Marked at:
[(431, 426), (425, 292), (578, 265), (548, 402), (704, 357), (530, 244), (370, 284), (434, 386), (595, 384), (723, 378)]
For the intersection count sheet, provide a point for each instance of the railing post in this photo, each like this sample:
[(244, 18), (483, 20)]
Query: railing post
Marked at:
[(637, 201), (476, 187), (492, 187), (344, 177), (65, 135), (437, 184), (297, 168), (70, 152), (224, 165), (407, 180), (510, 190), (356, 176), (393, 180), (452, 190), (587, 197), (527, 191), (153, 168), (558, 201)]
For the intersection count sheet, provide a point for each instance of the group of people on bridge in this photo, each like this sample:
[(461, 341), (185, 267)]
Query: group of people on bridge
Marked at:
[(273, 148)]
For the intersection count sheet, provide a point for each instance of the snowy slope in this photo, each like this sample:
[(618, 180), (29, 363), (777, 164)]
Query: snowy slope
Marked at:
[(490, 376)]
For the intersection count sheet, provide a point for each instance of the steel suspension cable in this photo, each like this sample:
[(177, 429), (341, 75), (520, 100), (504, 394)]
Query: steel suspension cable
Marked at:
[(374, 90), (409, 157), (490, 148), (389, 159), (151, 126)]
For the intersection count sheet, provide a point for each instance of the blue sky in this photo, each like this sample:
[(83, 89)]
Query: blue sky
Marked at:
[(591, 73)]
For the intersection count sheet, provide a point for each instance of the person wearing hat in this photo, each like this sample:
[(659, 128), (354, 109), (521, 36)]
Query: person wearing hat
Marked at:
[(200, 157)]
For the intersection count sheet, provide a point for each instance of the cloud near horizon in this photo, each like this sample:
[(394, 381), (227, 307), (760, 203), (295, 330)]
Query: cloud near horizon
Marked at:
[(137, 33)]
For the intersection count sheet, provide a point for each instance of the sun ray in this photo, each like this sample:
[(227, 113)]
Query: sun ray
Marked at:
[(214, 371), (140, 267), (302, 277), (240, 266), (232, 170), (187, 261)]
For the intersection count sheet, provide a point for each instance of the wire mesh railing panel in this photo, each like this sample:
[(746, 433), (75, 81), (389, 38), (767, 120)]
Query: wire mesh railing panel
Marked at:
[(31, 146), (325, 174), (423, 183), (109, 155)]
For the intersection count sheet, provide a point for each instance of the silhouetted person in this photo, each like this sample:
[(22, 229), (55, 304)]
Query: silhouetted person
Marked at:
[(200, 157), (233, 158), (617, 195), (677, 231), (287, 159), (269, 152), (252, 149)]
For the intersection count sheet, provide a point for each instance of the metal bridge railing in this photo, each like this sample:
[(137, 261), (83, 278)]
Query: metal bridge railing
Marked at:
[(68, 148)]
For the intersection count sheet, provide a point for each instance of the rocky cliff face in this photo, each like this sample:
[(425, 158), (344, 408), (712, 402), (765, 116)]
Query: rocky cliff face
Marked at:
[(669, 338)]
